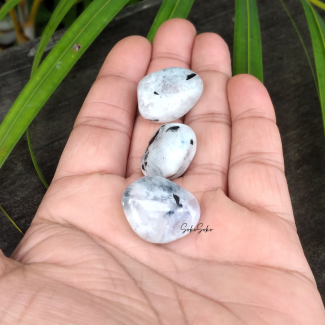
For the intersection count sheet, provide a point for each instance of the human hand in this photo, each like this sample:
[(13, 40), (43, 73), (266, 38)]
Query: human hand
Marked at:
[(81, 263)]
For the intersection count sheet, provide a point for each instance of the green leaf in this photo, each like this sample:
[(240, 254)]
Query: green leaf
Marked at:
[(317, 32), (247, 40), (60, 11), (38, 171), (7, 215), (318, 3), (54, 68), (302, 42), (7, 7), (170, 9)]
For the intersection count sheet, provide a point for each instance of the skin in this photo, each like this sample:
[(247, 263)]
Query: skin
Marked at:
[(81, 263)]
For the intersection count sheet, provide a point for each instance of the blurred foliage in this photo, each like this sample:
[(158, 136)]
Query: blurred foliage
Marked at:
[(47, 7), (44, 10)]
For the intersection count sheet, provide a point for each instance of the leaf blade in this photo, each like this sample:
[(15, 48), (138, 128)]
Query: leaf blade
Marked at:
[(247, 57), (7, 215), (54, 68), (318, 3), (38, 171), (301, 40), (255, 53), (317, 32), (169, 9), (182, 9), (7, 7), (60, 11)]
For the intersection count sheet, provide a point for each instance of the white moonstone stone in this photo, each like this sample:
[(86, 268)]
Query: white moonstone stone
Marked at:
[(170, 151), (168, 94), (156, 208)]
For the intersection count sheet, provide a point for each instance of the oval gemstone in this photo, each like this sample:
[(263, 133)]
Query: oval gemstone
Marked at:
[(168, 94), (170, 151), (157, 209)]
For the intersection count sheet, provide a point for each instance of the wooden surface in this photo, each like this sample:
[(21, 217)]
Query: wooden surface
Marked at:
[(287, 77)]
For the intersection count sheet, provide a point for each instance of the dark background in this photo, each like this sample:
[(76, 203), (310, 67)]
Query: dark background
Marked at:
[(287, 76)]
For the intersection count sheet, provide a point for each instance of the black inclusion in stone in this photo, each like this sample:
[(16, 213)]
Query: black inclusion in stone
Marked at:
[(155, 93), (190, 76), (154, 120), (192, 141), (142, 167), (145, 163), (173, 128), (176, 197), (153, 138)]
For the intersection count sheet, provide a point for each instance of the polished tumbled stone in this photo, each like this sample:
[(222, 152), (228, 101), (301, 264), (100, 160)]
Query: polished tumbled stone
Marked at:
[(168, 94), (156, 208), (170, 151)]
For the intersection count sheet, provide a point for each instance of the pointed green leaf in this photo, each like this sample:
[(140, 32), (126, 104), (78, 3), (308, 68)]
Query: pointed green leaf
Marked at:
[(170, 9), (60, 11), (318, 3), (317, 32), (7, 215), (302, 42), (54, 68), (38, 171), (247, 40), (7, 7)]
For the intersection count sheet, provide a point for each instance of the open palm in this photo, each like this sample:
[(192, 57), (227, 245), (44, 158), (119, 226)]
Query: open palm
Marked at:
[(81, 263)]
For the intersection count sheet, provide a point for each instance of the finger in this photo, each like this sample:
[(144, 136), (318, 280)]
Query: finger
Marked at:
[(101, 136), (256, 172), (210, 117), (172, 47)]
